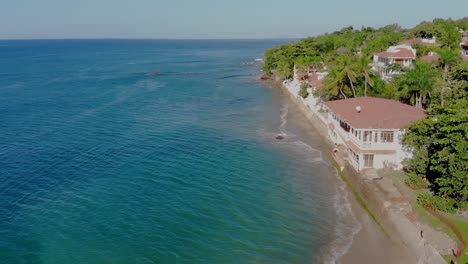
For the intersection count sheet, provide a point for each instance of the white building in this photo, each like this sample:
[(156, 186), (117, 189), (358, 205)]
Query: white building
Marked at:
[(370, 130), (402, 54)]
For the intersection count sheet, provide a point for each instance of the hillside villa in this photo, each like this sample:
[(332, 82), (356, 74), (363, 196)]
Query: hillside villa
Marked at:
[(421, 41), (431, 57), (402, 54), (370, 130)]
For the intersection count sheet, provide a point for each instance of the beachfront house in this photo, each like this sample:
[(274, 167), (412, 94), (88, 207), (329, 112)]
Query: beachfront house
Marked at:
[(370, 130), (384, 62)]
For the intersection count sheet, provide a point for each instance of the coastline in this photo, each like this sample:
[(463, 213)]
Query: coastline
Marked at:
[(383, 236)]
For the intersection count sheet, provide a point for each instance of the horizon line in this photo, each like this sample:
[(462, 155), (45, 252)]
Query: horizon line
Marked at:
[(273, 38)]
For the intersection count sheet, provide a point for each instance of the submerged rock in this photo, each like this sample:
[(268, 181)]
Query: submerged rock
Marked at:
[(279, 137), (153, 73)]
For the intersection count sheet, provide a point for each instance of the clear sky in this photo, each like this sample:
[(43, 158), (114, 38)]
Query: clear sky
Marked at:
[(210, 18)]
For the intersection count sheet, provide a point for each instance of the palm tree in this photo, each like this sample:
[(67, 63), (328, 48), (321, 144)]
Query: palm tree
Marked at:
[(363, 69), (448, 58), (336, 83), (346, 66), (418, 83)]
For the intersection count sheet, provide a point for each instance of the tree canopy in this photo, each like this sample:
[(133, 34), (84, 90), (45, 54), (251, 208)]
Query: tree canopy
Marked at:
[(439, 143)]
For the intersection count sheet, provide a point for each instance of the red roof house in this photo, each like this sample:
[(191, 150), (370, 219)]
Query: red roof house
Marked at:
[(371, 129)]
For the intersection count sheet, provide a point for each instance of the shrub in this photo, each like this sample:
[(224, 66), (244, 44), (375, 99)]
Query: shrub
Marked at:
[(463, 205), (424, 199), (444, 204), (415, 181), (303, 92)]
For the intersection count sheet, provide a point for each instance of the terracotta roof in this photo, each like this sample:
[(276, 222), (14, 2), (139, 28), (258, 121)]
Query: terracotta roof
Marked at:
[(464, 44), (302, 77), (432, 57), (376, 113), (400, 53), (412, 41), (314, 80)]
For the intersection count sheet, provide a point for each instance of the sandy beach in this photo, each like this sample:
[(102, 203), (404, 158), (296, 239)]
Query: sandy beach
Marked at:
[(370, 244)]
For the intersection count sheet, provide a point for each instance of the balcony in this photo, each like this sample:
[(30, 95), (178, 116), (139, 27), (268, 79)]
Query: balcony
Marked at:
[(361, 144)]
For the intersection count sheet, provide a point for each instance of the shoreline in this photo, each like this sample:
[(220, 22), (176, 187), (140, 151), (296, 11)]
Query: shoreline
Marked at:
[(383, 236)]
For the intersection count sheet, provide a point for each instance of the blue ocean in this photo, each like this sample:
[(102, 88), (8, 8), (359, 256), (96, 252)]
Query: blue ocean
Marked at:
[(158, 151)]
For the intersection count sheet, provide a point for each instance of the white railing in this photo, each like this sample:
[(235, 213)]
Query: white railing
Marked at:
[(360, 143), (353, 163), (343, 134)]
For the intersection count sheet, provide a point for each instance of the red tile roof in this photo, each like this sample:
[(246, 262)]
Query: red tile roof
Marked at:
[(376, 113), (401, 53), (412, 41), (432, 57), (302, 77), (314, 80)]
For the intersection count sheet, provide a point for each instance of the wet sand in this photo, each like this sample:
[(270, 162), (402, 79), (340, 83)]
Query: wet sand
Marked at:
[(370, 244)]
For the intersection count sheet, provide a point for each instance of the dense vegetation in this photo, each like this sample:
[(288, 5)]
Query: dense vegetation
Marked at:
[(440, 141)]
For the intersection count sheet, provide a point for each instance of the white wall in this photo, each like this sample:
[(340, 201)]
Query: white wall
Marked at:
[(380, 161)]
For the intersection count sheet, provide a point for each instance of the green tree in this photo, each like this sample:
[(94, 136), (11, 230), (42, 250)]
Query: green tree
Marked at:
[(462, 23), (449, 149), (336, 84), (449, 34), (439, 143), (448, 59), (418, 83), (345, 65), (363, 69), (424, 29), (341, 78), (284, 69)]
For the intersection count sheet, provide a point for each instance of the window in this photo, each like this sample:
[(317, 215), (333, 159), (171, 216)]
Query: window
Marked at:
[(367, 136), (376, 137), (354, 156), (368, 160), (386, 136)]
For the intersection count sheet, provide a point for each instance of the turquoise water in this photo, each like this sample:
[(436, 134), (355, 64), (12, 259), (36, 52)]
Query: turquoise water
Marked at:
[(102, 162)]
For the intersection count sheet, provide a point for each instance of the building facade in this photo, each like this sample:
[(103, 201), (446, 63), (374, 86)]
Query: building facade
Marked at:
[(370, 130), (384, 62)]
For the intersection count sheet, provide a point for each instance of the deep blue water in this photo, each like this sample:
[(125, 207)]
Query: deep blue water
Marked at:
[(102, 163)]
